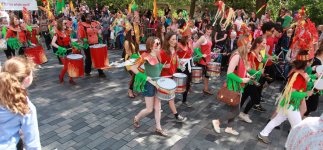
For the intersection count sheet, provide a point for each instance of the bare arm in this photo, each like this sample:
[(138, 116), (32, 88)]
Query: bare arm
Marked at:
[(54, 42), (199, 42), (233, 63)]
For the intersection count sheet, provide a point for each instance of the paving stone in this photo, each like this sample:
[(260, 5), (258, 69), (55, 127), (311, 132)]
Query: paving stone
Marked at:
[(97, 114), (106, 144)]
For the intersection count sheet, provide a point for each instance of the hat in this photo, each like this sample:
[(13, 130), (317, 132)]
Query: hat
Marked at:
[(303, 55)]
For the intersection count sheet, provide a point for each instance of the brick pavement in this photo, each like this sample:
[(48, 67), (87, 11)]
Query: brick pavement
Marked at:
[(97, 114)]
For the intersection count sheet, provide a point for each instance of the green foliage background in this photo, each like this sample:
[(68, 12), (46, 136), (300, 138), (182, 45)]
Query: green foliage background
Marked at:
[(314, 8)]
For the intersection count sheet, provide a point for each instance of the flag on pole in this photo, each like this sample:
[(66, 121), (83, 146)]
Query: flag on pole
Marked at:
[(60, 6)]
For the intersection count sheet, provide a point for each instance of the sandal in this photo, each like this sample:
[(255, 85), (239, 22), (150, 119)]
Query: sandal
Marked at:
[(131, 96), (161, 132), (207, 92), (135, 122)]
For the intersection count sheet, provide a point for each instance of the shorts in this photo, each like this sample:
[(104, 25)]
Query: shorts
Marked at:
[(204, 70), (149, 90)]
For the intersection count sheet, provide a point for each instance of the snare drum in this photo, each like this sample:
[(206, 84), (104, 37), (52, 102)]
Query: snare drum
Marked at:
[(75, 65), (142, 48), (166, 84), (319, 85), (319, 69), (197, 74), (99, 56), (213, 69), (180, 79), (37, 54)]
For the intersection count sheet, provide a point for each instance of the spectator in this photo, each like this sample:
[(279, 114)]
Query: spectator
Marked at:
[(253, 19), (229, 47), (287, 20), (17, 112)]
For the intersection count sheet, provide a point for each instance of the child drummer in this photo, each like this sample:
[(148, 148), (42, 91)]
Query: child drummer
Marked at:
[(88, 33), (292, 101), (62, 42)]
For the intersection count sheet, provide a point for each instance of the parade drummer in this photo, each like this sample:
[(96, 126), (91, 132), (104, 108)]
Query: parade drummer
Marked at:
[(16, 38), (205, 43), (130, 51), (62, 42), (169, 59), (236, 79), (252, 89), (153, 67), (185, 52), (88, 32), (291, 104)]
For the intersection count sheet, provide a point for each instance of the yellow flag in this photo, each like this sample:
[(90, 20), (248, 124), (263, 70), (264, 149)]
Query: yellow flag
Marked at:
[(72, 7)]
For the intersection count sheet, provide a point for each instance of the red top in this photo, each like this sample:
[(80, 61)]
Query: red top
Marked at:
[(13, 34), (206, 49), (167, 59), (300, 83), (63, 39), (254, 62), (85, 30), (184, 54), (271, 41), (32, 36)]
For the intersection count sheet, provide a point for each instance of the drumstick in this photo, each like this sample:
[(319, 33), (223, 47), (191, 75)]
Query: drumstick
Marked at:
[(316, 82)]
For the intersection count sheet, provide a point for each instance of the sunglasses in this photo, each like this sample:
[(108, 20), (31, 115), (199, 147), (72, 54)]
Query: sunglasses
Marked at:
[(157, 43)]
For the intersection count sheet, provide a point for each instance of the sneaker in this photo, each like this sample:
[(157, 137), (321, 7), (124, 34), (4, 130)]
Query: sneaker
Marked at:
[(216, 126), (231, 131), (187, 104), (181, 118), (264, 139), (259, 108), (262, 100), (245, 117)]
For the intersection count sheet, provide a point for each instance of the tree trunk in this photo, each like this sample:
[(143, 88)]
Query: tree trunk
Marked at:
[(259, 3), (192, 8)]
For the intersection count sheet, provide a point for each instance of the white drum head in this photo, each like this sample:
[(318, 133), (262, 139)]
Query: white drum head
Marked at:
[(166, 83), (212, 63), (97, 46), (74, 56), (196, 68), (319, 69), (73, 40), (319, 85), (142, 47), (180, 75)]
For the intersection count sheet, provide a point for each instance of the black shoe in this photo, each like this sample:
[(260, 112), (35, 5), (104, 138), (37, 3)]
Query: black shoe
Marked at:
[(87, 74), (262, 100), (259, 108), (180, 118), (187, 104), (102, 75)]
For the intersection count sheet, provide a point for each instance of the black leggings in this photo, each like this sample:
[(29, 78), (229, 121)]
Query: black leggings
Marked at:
[(231, 113), (253, 92), (11, 52), (188, 82)]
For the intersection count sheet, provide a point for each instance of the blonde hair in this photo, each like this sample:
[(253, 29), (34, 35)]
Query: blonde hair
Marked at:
[(12, 95), (243, 49)]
